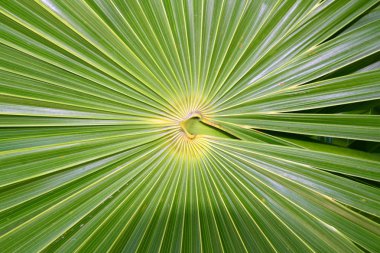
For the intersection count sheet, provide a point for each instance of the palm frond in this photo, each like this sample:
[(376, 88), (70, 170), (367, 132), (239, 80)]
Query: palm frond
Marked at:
[(194, 126)]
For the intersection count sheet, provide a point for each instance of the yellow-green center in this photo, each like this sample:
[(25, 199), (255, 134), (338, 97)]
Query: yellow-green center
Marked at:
[(198, 126)]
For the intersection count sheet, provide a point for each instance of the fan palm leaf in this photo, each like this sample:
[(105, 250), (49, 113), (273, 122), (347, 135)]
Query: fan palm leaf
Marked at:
[(194, 126)]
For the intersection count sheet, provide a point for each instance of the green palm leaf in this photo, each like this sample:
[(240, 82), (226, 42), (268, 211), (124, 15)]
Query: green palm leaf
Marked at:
[(194, 126)]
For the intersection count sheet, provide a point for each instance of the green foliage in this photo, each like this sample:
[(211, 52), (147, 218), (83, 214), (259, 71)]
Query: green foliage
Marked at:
[(194, 126)]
